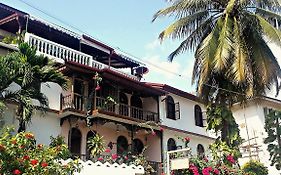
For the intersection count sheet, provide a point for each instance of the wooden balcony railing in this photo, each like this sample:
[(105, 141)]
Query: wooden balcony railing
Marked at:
[(62, 53), (78, 102)]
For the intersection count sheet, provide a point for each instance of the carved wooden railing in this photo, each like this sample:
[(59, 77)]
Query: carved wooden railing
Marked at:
[(79, 102), (62, 53)]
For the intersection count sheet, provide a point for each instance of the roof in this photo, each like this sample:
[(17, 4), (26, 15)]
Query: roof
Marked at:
[(61, 35), (114, 76), (173, 90)]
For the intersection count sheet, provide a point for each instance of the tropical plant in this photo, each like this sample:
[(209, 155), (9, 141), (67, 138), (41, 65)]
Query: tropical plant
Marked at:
[(255, 168), (230, 39), (19, 154), (96, 145), (28, 71), (273, 139)]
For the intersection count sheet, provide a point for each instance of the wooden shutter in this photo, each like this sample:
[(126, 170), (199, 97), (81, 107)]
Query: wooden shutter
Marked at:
[(177, 110)]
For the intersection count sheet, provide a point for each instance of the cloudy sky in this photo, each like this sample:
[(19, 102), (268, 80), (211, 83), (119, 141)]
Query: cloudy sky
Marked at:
[(123, 24)]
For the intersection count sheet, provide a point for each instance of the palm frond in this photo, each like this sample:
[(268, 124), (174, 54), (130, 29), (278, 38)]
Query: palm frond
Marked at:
[(183, 26), (224, 48), (193, 39), (273, 34)]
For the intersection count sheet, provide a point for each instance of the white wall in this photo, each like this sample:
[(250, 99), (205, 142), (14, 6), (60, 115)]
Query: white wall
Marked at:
[(254, 120), (187, 120), (53, 92)]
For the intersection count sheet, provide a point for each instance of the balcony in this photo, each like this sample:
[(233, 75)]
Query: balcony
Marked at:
[(61, 53), (78, 103)]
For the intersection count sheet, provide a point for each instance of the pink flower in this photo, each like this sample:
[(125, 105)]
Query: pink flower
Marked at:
[(153, 133), (216, 171), (206, 160), (126, 157), (230, 159), (97, 88), (206, 171), (44, 164), (161, 129), (194, 169), (100, 159), (114, 156), (16, 171), (25, 157), (107, 150)]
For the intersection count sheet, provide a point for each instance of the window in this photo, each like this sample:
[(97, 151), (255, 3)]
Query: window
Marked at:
[(75, 141), (198, 116), (137, 146), (171, 144), (173, 109), (136, 109), (122, 145), (200, 151), (123, 106)]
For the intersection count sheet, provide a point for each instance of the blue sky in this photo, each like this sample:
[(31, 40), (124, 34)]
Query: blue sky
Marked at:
[(124, 24)]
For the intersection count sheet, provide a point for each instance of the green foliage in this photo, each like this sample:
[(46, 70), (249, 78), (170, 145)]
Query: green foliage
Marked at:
[(96, 145), (59, 144), (230, 40), (273, 139), (28, 71), (17, 39), (220, 118), (254, 168), (19, 154)]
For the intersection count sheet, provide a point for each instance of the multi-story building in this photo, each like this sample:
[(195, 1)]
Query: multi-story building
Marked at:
[(182, 116), (117, 107), (251, 120)]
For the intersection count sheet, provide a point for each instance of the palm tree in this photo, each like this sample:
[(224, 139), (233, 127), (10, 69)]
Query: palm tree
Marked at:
[(230, 39), (28, 71)]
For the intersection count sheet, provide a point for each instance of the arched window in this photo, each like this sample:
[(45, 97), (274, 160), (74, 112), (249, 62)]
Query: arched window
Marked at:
[(200, 151), (171, 110), (171, 144), (75, 141), (123, 108), (137, 146), (136, 104), (122, 145), (198, 116), (90, 135)]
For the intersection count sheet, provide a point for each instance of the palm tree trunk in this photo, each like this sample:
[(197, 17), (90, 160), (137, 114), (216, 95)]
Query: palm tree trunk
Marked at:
[(22, 124)]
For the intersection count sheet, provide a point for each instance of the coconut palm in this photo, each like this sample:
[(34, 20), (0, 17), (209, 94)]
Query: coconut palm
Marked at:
[(28, 71), (230, 39)]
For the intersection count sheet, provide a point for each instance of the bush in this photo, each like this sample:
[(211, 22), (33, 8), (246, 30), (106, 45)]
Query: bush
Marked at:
[(255, 168), (19, 154)]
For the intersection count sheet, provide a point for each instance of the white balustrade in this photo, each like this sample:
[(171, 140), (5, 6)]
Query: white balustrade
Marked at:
[(91, 168), (61, 53)]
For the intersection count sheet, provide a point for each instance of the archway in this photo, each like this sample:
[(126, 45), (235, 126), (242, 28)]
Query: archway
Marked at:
[(75, 142), (171, 144), (122, 145), (137, 146)]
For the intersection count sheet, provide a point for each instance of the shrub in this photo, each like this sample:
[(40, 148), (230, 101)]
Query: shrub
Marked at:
[(255, 168), (19, 154)]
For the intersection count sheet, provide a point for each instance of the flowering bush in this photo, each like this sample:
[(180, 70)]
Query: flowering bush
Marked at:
[(255, 168), (19, 154)]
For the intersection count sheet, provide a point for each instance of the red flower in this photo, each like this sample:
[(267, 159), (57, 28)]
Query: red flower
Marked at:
[(40, 146), (34, 162), (25, 158), (16, 171), (114, 156), (187, 139), (216, 171), (100, 159), (230, 159), (161, 129), (29, 136), (2, 147), (14, 142), (97, 88), (206, 171), (44, 164), (194, 169), (107, 150), (162, 173)]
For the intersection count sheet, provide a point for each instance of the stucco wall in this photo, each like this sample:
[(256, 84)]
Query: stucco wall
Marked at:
[(254, 120), (187, 120)]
